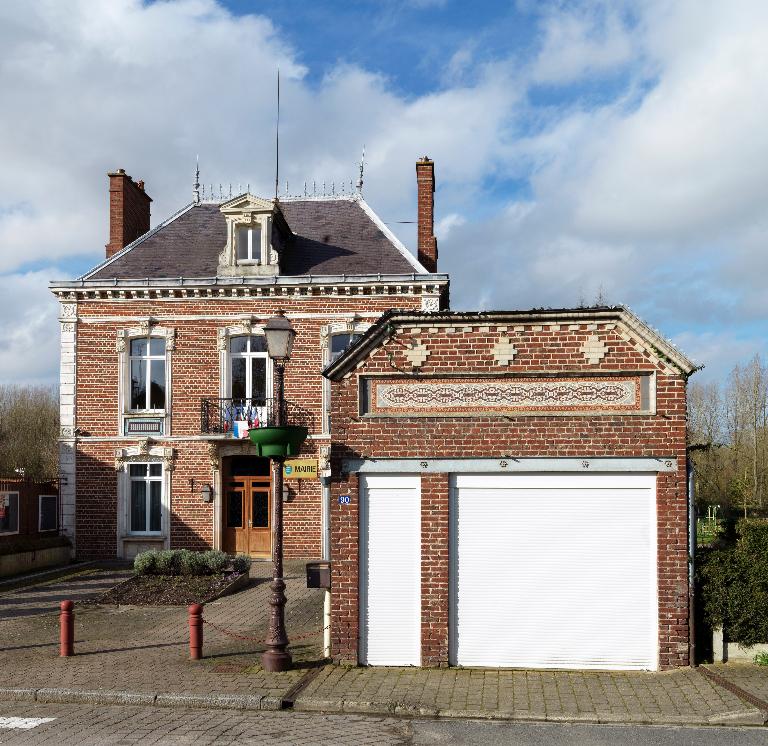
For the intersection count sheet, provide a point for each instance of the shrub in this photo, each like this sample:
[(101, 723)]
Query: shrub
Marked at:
[(167, 562), (734, 584), (215, 561), (191, 563), (761, 659), (145, 563), (241, 563)]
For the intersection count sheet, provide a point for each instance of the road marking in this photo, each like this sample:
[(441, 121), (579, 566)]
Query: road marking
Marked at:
[(23, 723)]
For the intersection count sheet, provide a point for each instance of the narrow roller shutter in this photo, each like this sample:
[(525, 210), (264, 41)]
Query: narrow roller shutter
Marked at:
[(390, 570), (554, 571)]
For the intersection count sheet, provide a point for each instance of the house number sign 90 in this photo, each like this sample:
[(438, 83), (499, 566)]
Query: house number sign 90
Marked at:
[(344, 500)]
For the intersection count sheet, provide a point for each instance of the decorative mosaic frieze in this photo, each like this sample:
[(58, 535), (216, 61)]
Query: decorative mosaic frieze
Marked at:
[(438, 397)]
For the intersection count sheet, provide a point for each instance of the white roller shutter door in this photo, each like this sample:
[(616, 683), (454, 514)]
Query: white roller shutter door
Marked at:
[(390, 570), (554, 571)]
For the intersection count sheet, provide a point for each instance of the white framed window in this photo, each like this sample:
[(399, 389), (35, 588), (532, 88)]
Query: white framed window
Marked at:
[(9, 512), (145, 500), (144, 388), (47, 513), (337, 338), (147, 367), (248, 368), (249, 247)]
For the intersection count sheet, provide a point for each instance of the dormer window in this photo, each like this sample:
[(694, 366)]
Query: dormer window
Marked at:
[(256, 235), (249, 243)]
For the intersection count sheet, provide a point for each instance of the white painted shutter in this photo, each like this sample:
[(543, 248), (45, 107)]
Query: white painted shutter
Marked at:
[(390, 570), (554, 571)]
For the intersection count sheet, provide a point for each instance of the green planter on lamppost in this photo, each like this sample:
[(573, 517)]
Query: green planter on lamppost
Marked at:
[(278, 442)]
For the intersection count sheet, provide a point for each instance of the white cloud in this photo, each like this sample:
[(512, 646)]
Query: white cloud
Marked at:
[(655, 196)]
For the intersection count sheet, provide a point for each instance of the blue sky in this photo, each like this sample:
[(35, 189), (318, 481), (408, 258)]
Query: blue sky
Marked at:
[(583, 149)]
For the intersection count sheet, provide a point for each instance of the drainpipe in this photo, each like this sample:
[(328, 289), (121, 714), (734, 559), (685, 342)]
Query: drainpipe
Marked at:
[(691, 565), (326, 556)]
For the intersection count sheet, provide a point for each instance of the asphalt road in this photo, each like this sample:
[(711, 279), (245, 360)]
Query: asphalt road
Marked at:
[(61, 725)]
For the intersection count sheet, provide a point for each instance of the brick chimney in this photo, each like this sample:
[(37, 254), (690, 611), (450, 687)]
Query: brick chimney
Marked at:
[(427, 243), (128, 210)]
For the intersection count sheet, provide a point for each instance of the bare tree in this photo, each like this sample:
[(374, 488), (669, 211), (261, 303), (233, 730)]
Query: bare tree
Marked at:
[(29, 431)]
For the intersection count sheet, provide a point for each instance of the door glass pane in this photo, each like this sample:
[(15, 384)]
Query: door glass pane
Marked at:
[(138, 506), (157, 346), (155, 470), (234, 509), (138, 347), (258, 379), (138, 384), (341, 342), (157, 385), (155, 489), (238, 378), (138, 470), (260, 509)]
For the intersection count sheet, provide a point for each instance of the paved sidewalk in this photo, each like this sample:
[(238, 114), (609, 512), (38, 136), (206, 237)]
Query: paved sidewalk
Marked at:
[(683, 696), (139, 656), (142, 653)]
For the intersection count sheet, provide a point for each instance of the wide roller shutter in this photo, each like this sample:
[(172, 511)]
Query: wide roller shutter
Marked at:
[(554, 571), (390, 570)]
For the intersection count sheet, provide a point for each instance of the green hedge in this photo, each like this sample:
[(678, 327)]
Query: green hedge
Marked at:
[(186, 562), (733, 581)]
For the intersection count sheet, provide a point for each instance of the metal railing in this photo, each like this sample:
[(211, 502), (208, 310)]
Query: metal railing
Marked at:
[(228, 416)]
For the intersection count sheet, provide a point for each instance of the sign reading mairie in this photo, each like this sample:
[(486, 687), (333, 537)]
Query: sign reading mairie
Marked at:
[(621, 394)]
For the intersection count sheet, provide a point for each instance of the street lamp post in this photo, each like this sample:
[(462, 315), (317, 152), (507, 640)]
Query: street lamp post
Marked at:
[(280, 335)]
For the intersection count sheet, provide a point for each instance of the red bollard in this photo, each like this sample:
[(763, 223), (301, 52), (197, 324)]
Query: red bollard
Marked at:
[(195, 632), (66, 630)]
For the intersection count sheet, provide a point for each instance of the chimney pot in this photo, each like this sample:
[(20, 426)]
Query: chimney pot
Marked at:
[(425, 209), (129, 211)]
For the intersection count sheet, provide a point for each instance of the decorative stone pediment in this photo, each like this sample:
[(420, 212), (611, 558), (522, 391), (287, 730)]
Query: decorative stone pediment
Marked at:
[(263, 222), (145, 451)]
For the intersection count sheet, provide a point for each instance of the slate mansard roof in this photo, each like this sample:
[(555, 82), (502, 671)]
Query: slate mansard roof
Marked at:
[(328, 237)]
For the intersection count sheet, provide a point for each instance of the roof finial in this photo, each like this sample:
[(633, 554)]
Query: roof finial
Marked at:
[(196, 189), (360, 178)]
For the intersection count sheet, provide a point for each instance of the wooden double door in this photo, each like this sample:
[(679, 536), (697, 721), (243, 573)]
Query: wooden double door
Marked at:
[(248, 511)]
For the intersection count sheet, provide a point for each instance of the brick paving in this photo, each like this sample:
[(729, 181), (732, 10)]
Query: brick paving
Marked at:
[(99, 725), (747, 676), (141, 655), (134, 649), (681, 696)]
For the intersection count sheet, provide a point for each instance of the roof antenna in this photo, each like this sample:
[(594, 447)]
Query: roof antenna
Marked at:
[(196, 189), (360, 178), (277, 137)]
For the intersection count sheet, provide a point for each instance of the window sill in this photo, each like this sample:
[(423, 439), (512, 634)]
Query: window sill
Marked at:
[(144, 537)]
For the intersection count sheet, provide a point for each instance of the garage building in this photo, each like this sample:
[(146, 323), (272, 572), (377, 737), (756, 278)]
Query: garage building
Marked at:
[(509, 489)]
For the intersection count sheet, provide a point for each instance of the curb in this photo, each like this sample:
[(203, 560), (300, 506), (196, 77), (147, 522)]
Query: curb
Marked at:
[(254, 703), (751, 716), (146, 699)]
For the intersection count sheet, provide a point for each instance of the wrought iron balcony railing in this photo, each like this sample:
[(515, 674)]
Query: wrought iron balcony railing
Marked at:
[(234, 417)]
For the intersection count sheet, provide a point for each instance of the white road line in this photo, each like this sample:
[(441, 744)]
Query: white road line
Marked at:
[(23, 723)]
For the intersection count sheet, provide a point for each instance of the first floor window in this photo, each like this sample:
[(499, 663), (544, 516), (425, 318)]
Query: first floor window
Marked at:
[(340, 342), (147, 360), (146, 498), (9, 512)]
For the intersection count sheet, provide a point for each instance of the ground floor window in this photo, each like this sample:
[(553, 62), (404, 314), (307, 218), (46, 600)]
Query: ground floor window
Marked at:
[(145, 508), (48, 514), (9, 512)]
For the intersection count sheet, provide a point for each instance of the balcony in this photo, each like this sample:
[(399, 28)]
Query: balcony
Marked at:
[(234, 417)]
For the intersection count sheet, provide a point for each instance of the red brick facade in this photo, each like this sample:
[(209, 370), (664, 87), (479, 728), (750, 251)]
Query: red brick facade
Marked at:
[(195, 374), (548, 344)]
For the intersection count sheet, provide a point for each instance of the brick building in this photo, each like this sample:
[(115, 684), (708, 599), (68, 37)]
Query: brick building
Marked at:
[(163, 361), (530, 469)]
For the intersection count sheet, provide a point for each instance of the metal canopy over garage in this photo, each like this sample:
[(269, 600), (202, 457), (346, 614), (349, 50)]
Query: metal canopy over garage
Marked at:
[(554, 571)]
